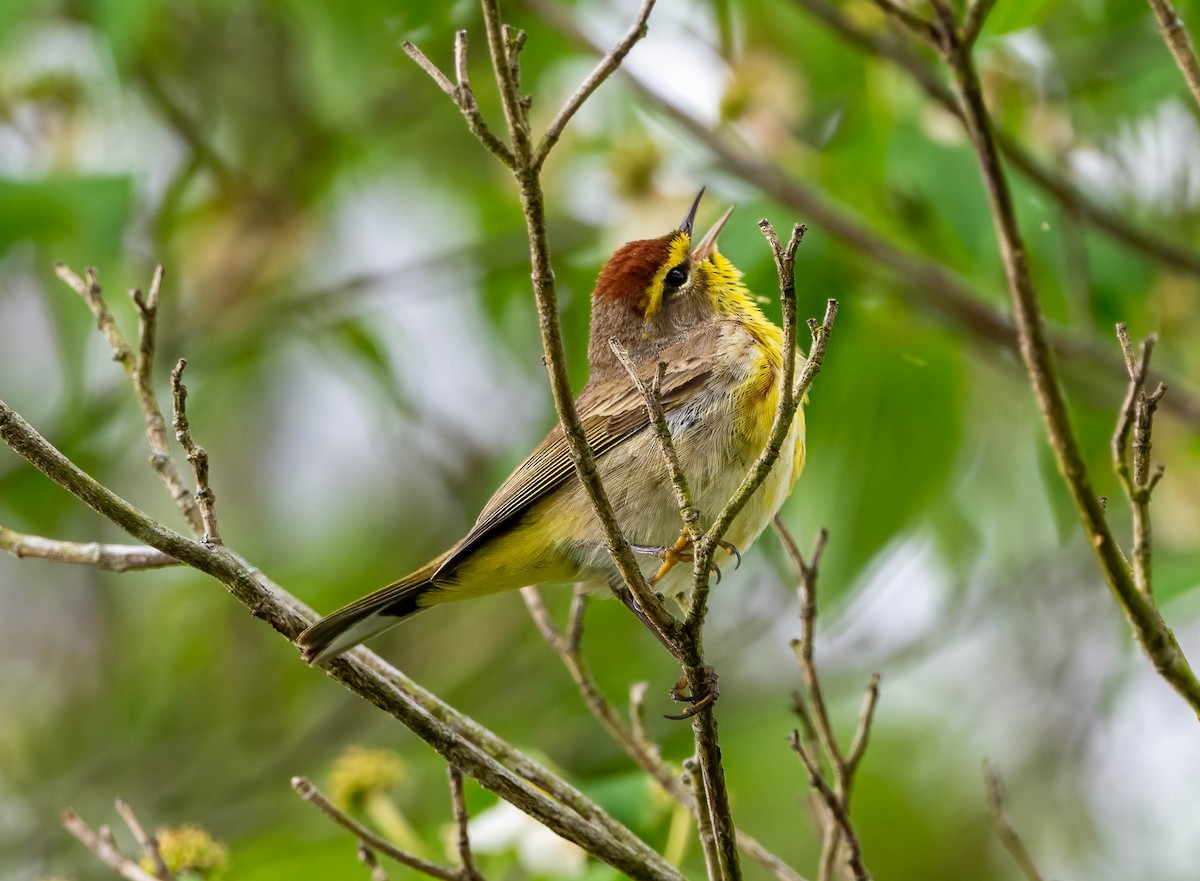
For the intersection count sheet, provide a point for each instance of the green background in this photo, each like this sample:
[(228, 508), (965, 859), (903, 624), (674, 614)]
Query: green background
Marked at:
[(347, 275)]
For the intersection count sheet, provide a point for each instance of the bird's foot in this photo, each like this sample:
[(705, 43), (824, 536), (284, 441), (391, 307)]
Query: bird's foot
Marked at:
[(681, 552), (704, 695)]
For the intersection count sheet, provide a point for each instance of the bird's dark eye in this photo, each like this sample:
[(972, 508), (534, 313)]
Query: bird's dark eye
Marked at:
[(676, 276)]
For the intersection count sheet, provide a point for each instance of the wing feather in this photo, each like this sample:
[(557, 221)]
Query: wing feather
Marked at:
[(610, 411)]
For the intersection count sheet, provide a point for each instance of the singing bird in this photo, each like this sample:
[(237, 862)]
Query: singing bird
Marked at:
[(666, 301)]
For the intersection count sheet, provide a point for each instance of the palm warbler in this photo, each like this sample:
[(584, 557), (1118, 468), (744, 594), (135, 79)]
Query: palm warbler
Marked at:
[(665, 301)]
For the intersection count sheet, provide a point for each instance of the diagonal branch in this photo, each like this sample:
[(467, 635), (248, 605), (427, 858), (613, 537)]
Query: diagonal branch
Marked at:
[(197, 456), (1155, 636), (609, 63), (307, 791), (1004, 828), (145, 840), (1133, 470), (105, 848), (1175, 35), (496, 764)]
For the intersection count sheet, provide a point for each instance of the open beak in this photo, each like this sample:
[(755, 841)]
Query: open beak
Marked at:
[(708, 244), (686, 226)]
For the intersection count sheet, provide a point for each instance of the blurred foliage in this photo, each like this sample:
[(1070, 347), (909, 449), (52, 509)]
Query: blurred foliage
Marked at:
[(347, 274)]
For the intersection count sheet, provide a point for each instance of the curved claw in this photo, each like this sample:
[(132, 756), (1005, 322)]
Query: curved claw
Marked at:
[(732, 550), (706, 695), (717, 570)]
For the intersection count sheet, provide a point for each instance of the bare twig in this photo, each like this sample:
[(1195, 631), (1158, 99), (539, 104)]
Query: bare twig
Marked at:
[(139, 368), (1155, 636), (833, 804), (462, 95), (899, 10), (196, 455), (1175, 35), (305, 789), (694, 780), (109, 557), (803, 647), (862, 733), (366, 856), (103, 846), (1004, 829), (658, 421), (609, 63), (1137, 417), (976, 14), (762, 466), (156, 428), (467, 870), (145, 840)]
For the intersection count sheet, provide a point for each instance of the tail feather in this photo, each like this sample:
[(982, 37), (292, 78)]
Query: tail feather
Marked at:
[(373, 614)]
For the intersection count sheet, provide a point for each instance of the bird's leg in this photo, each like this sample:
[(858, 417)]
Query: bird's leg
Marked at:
[(705, 694), (681, 552)]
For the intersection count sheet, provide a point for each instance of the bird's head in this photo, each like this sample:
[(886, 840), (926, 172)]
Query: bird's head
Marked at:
[(652, 292)]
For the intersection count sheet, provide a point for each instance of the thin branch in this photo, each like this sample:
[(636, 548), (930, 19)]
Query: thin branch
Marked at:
[(105, 848), (862, 733), (467, 870), (90, 291), (197, 456), (835, 805), (504, 50), (462, 95), (911, 20), (1133, 470), (658, 422), (1175, 35), (976, 14), (609, 63), (366, 856), (1004, 829), (156, 429), (1155, 636), (496, 764), (790, 393), (145, 840), (693, 779), (139, 369), (803, 647), (762, 466), (109, 557), (305, 789)]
